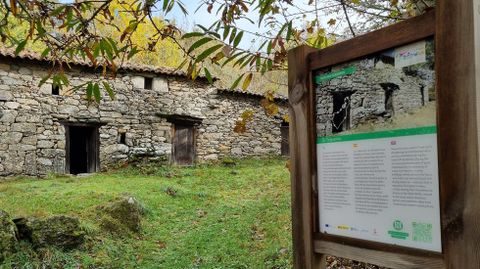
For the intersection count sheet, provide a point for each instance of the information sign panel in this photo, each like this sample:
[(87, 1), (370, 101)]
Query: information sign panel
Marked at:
[(377, 148)]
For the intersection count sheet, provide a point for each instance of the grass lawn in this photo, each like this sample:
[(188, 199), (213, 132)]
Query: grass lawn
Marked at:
[(219, 217)]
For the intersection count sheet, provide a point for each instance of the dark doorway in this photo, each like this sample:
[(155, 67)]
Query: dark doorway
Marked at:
[(422, 93), (389, 89), (183, 150), (82, 149), (285, 148), (389, 102), (341, 111)]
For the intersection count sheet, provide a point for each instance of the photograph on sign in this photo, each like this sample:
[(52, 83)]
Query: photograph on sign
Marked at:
[(377, 148)]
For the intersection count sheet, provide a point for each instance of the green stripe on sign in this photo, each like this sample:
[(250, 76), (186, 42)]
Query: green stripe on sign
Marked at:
[(324, 77), (377, 135), (398, 235)]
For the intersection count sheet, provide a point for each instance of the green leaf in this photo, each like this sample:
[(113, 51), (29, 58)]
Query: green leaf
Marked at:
[(182, 65), (55, 81), (231, 58), (208, 75), (237, 40), (264, 68), (247, 60), (183, 8), (89, 91), (45, 52), (96, 50), (44, 79), (194, 73), (220, 55), (199, 43), (247, 81), (129, 29), (107, 48), (289, 30), (263, 45), (20, 46), (170, 7), (237, 81), (241, 60), (165, 4), (232, 35), (132, 52), (205, 29), (113, 44), (192, 34), (96, 92), (282, 29), (226, 31), (207, 52), (192, 70), (63, 79), (269, 64), (109, 90), (57, 11), (40, 30)]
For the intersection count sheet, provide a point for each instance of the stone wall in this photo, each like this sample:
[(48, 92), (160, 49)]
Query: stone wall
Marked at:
[(366, 92), (32, 120)]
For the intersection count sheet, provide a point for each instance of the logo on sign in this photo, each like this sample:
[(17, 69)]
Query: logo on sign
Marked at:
[(397, 231), (398, 225)]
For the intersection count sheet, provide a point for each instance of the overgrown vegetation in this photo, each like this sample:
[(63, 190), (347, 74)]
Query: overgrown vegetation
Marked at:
[(223, 216)]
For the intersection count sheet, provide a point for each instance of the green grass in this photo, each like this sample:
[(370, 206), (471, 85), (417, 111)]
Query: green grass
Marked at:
[(219, 217)]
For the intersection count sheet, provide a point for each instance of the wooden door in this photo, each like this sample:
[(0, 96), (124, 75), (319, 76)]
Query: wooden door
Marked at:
[(93, 150), (183, 144)]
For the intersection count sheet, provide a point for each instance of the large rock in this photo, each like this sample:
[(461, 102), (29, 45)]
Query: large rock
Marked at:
[(24, 127), (11, 137), (8, 235), (122, 215), (58, 231), (116, 148), (5, 95), (68, 109)]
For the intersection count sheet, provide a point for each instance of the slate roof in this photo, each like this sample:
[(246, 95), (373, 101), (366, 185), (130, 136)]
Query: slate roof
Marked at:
[(250, 93), (126, 67)]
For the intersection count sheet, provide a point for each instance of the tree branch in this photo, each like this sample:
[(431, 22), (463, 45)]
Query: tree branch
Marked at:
[(348, 18)]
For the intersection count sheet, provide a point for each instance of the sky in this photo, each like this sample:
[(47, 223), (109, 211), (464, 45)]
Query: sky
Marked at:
[(201, 16)]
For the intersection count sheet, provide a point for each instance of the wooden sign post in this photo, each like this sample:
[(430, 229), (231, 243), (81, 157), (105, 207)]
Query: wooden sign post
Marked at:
[(385, 144)]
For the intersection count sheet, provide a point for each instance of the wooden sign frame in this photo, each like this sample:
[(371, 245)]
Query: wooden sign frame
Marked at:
[(457, 67)]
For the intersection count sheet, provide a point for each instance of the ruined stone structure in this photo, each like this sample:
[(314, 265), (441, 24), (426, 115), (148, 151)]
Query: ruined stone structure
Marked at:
[(374, 92), (157, 113)]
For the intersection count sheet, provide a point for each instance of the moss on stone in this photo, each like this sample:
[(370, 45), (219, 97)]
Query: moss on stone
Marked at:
[(121, 215), (58, 231), (8, 232)]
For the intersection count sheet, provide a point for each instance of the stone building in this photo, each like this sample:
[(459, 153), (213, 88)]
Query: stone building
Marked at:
[(157, 113), (374, 92)]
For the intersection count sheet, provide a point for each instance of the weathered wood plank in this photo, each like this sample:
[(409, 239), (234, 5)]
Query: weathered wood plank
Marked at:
[(302, 160), (398, 34), (378, 257), (183, 144), (458, 133)]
